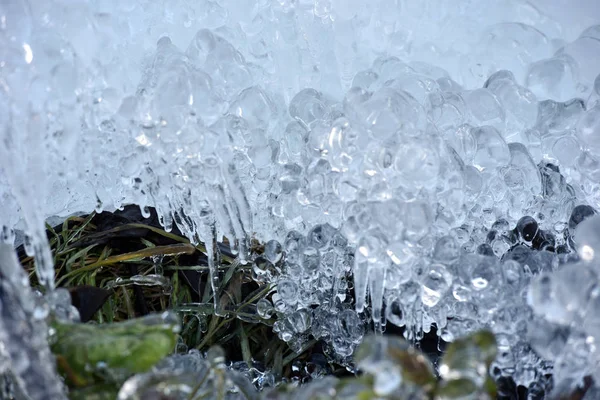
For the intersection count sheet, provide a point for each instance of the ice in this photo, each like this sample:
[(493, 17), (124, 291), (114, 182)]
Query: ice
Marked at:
[(584, 51), (587, 238), (442, 157), (588, 128), (553, 78), (579, 214), (436, 284), (192, 375), (23, 333), (527, 227), (519, 102), (492, 151)]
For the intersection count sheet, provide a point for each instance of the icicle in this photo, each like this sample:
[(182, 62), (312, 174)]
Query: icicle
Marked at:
[(239, 210), (22, 335), (376, 288), (361, 276), (336, 280), (44, 262), (219, 205), (344, 53), (185, 225), (165, 218), (237, 192), (214, 257)]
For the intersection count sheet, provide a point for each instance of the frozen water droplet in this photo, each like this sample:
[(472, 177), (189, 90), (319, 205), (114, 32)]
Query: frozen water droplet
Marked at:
[(273, 251), (436, 283)]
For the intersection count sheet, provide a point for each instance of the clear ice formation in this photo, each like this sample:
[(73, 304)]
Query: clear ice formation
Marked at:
[(25, 353), (441, 153)]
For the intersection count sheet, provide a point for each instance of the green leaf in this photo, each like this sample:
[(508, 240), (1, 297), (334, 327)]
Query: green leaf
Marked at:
[(101, 391), (392, 361), (465, 366), (89, 353), (246, 354), (456, 389), (469, 357)]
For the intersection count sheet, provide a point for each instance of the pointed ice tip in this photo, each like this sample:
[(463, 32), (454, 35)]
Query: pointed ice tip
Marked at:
[(8, 261), (360, 306)]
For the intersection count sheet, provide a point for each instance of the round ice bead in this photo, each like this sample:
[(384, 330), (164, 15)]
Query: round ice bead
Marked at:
[(580, 213), (418, 86), (589, 165), (541, 298), (520, 103), (553, 78), (343, 143), (485, 250), (436, 283), (418, 219), (473, 181), (307, 106), (544, 240), (364, 79), (410, 293), (588, 128), (390, 68), (447, 109), (492, 150), (484, 273), (512, 271), (498, 79), (295, 137), (557, 117), (263, 269), (264, 308), (462, 141), (586, 52), (310, 260), (527, 227), (320, 236), (294, 246), (261, 155), (389, 111), (566, 149), (446, 249), (402, 255), (288, 291), (350, 325), (371, 247), (394, 313), (255, 106), (417, 161), (398, 274), (521, 160), (548, 339), (273, 251), (485, 108), (587, 238), (300, 320)]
